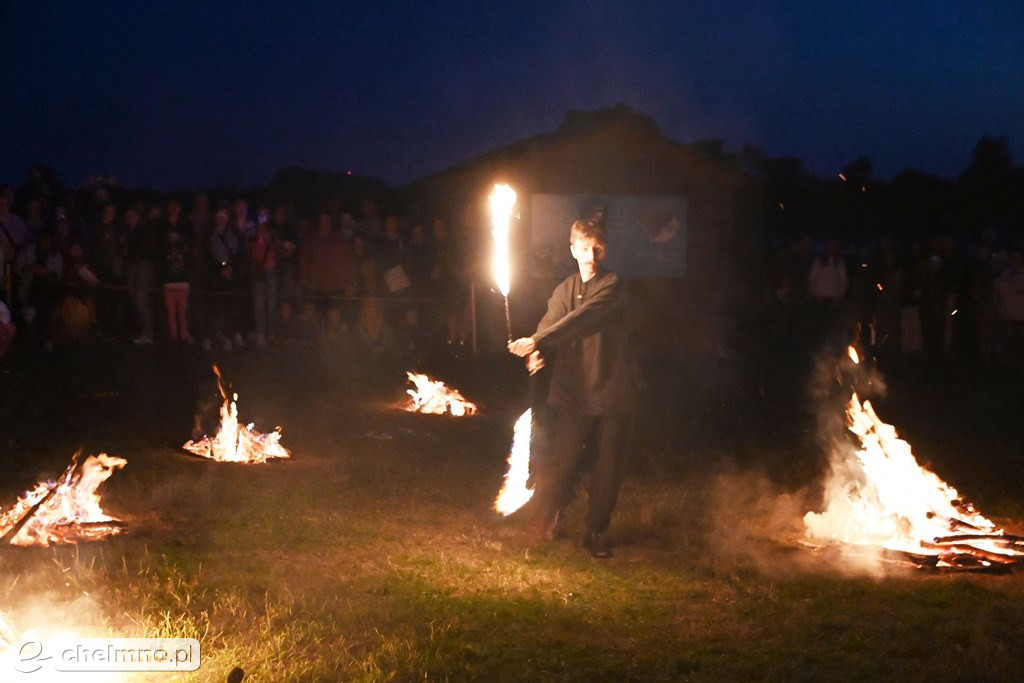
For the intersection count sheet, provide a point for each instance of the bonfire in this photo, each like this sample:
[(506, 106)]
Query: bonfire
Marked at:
[(66, 510), (236, 442), (433, 397), (882, 500)]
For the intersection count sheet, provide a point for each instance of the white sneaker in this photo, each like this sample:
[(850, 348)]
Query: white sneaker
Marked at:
[(143, 339)]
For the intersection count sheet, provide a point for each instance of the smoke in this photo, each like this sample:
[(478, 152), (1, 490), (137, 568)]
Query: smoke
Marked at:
[(754, 522)]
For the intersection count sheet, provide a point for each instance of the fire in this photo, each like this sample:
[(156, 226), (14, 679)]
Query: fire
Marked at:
[(502, 200), (432, 396), (515, 492), (882, 498), (236, 442), (65, 511)]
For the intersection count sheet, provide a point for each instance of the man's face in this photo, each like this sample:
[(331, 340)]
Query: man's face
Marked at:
[(588, 253)]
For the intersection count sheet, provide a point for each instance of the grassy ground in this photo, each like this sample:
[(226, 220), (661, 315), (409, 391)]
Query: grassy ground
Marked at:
[(373, 555)]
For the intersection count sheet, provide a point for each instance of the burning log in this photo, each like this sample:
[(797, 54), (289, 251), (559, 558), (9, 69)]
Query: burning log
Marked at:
[(433, 397), (235, 442), (65, 511)]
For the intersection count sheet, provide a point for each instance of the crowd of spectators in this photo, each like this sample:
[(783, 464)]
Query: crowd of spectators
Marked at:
[(97, 265), (937, 299)]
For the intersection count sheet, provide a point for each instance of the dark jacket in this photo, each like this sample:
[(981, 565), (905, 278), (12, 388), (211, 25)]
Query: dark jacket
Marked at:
[(584, 337)]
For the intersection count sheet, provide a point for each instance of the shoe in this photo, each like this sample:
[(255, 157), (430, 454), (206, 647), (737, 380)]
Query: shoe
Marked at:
[(188, 340), (261, 341), (596, 544), (142, 339), (207, 346), (226, 343), (238, 340)]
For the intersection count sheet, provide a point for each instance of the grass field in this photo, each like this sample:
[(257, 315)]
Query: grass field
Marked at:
[(373, 555)]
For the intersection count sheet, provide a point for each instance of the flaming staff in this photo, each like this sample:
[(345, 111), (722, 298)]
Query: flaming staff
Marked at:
[(503, 199), (515, 491)]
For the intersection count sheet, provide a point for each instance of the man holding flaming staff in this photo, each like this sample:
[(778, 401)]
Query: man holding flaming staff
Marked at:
[(585, 338)]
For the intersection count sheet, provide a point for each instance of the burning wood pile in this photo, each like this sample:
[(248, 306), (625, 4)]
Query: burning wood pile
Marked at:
[(236, 442), (66, 510), (433, 397), (879, 500)]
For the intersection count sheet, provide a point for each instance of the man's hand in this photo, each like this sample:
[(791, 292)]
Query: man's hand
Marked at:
[(522, 347), (534, 362)]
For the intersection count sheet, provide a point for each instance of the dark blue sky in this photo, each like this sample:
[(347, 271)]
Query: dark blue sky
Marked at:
[(173, 94)]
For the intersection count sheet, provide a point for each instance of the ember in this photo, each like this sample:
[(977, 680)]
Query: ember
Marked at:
[(883, 499), (433, 397), (65, 511), (515, 491), (235, 442)]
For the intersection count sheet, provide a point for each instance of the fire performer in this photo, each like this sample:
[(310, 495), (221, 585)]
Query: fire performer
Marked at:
[(586, 340)]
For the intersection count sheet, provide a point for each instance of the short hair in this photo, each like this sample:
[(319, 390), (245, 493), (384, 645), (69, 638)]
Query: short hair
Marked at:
[(588, 230)]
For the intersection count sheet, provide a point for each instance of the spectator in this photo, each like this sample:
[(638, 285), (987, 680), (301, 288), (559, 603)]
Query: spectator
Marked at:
[(107, 259), (226, 282), (14, 234), (7, 330), (1009, 292), (326, 263), (827, 279), (140, 264), (40, 266), (263, 278), (175, 275), (286, 239)]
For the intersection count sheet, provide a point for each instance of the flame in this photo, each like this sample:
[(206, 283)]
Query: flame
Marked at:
[(853, 355), (883, 498), (236, 442), (433, 397), (65, 511), (515, 491), (503, 198)]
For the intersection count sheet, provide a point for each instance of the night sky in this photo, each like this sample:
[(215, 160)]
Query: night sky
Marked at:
[(178, 94)]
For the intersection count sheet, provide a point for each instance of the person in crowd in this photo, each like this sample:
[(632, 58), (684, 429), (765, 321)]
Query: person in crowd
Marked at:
[(326, 263), (584, 337), (175, 275), (374, 336), (74, 317), (7, 330), (263, 278), (827, 279), (107, 259), (1009, 295), (199, 223), (40, 266), (286, 240), (140, 271), (226, 282), (14, 234)]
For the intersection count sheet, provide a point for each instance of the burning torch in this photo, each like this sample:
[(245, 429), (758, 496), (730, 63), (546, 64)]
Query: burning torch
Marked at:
[(503, 199)]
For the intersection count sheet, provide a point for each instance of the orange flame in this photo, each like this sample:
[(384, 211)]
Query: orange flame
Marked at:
[(65, 511), (503, 198), (236, 442), (515, 492), (433, 397), (883, 498)]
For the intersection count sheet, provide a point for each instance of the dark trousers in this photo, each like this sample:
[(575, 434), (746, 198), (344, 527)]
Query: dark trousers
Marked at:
[(577, 437)]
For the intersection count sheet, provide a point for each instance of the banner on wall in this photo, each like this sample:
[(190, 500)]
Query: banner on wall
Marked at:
[(646, 234)]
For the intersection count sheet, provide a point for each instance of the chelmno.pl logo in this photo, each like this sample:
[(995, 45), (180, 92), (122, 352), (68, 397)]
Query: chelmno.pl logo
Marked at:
[(104, 654)]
